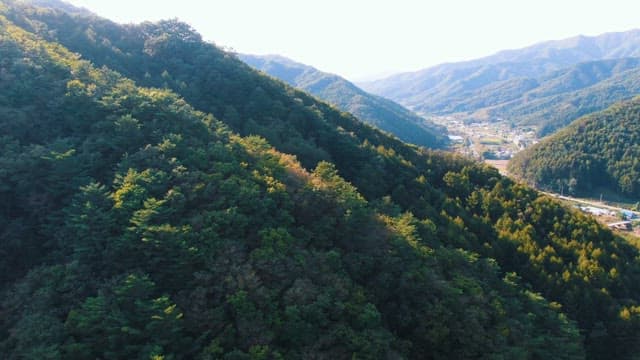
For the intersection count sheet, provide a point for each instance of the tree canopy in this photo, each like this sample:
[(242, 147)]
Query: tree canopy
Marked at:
[(599, 152)]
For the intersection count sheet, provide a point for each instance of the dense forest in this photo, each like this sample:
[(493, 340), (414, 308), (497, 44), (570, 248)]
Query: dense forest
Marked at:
[(599, 151), (546, 85), (161, 200), (375, 110)]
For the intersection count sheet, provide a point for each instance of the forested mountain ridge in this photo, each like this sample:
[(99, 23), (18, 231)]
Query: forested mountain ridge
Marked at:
[(544, 85), (169, 54), (179, 239), (377, 111), (135, 225), (601, 150), (539, 58), (568, 94)]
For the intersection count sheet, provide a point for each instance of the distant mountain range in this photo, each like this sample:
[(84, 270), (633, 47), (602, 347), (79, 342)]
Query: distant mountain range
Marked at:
[(548, 84), (375, 110), (600, 151)]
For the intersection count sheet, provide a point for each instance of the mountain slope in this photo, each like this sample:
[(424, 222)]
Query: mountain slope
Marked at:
[(179, 239), (555, 111), (377, 111), (170, 235), (504, 84), (598, 151)]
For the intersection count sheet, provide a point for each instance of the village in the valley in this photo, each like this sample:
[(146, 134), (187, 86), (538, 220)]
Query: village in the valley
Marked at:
[(487, 140)]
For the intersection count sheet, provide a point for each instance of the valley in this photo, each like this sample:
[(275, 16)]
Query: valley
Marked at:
[(486, 140)]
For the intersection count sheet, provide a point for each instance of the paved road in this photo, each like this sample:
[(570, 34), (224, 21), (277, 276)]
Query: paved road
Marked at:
[(588, 202), (569, 198)]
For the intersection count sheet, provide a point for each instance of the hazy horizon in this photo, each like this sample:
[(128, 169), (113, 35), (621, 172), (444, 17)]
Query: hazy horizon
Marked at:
[(367, 40)]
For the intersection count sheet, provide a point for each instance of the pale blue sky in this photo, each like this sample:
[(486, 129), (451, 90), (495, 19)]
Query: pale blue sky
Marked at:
[(363, 39)]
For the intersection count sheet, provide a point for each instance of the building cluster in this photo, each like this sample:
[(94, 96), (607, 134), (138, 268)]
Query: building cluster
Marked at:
[(497, 139)]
